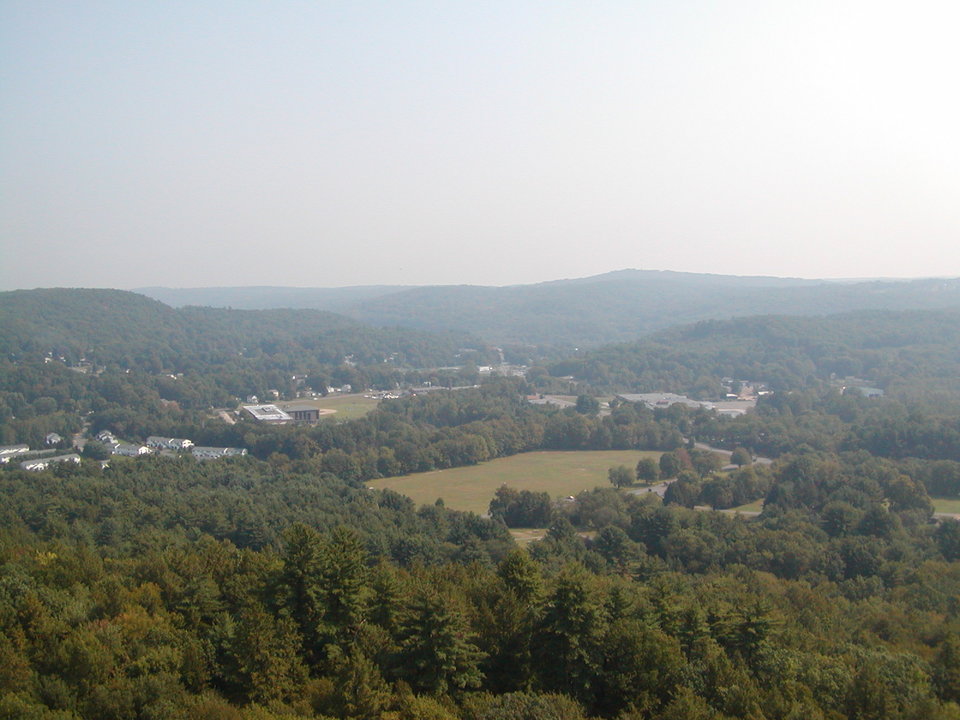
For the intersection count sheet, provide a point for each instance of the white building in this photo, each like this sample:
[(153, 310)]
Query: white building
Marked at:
[(212, 453), (9, 451), (267, 414), (130, 450), (165, 443), (107, 438), (44, 463)]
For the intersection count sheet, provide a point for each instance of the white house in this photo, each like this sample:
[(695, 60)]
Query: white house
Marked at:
[(107, 438)]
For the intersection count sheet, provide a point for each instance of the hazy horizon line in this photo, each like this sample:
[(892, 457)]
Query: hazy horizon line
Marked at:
[(828, 279)]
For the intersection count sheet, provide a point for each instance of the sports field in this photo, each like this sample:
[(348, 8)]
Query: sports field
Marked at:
[(471, 488), (345, 407)]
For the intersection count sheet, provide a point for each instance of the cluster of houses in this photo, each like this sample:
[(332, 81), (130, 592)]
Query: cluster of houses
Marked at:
[(155, 443), (10, 452), (121, 448)]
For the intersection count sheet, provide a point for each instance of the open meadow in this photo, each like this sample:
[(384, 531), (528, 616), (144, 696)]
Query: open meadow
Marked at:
[(471, 488)]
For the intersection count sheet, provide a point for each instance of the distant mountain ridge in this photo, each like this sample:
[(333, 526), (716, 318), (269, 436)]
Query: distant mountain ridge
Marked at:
[(581, 312), (265, 297)]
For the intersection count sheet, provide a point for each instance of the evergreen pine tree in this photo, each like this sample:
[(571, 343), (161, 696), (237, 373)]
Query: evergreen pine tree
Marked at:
[(437, 654)]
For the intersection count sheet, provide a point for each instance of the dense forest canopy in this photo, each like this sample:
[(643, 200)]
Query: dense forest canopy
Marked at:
[(174, 589)]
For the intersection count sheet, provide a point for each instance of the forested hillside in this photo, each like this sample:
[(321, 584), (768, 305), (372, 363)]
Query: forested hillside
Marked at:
[(910, 354), (614, 307), (67, 353), (124, 328)]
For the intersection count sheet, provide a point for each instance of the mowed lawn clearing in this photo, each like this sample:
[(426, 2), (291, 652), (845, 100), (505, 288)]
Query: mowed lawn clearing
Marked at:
[(949, 506), (471, 488), (755, 506)]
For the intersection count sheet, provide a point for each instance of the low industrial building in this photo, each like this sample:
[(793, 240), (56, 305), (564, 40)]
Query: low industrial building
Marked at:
[(664, 400), (267, 414), (302, 412)]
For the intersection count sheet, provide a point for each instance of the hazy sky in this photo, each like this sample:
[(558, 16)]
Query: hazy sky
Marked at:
[(316, 143)]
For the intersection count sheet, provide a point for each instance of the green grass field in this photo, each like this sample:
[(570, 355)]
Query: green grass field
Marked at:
[(472, 488), (946, 505), (755, 506), (940, 505), (525, 536), (348, 407)]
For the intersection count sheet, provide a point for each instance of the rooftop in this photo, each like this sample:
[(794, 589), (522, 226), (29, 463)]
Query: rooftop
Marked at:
[(267, 413)]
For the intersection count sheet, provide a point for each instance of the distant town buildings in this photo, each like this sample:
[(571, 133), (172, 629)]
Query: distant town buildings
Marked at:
[(664, 400), (212, 453)]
